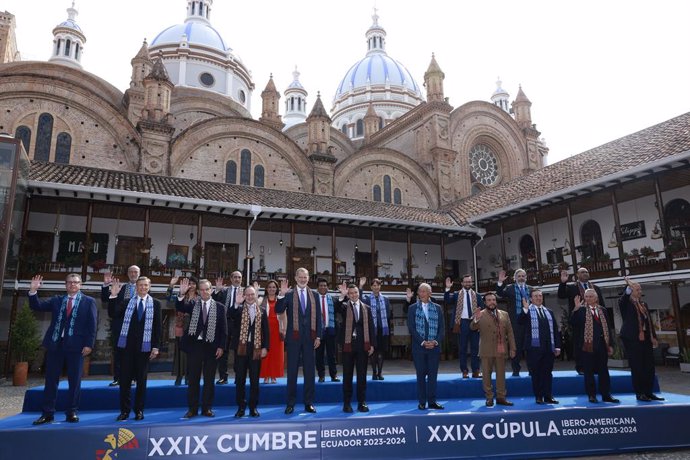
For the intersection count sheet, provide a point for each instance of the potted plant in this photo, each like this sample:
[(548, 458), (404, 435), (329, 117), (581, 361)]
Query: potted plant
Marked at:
[(25, 343), (563, 265), (647, 252), (618, 358), (685, 360), (156, 266), (98, 265)]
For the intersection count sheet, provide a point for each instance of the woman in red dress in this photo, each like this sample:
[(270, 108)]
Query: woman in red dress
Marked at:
[(273, 365)]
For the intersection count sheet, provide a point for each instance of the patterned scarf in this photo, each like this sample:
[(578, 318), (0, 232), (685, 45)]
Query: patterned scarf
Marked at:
[(349, 320), (519, 296), (534, 322), (380, 307), (130, 289), (643, 319), (148, 323), (63, 313), (461, 306), (500, 340), (244, 332), (296, 309), (210, 321), (420, 319), (589, 328)]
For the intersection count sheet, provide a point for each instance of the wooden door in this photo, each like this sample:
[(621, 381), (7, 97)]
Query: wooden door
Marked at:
[(220, 259), (128, 252)]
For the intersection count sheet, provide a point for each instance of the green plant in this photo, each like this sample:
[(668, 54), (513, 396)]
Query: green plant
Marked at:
[(647, 251), (25, 336), (73, 260), (563, 265), (685, 355), (618, 350), (674, 245), (156, 264), (605, 256)]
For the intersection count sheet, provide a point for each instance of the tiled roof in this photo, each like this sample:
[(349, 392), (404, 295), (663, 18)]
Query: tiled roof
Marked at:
[(301, 203), (655, 143)]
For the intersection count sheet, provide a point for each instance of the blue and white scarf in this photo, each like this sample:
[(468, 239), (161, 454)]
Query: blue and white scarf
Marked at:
[(520, 293), (534, 323), (433, 320), (62, 313), (148, 323), (379, 304)]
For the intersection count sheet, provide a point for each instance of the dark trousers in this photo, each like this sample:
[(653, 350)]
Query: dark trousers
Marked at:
[(55, 360), (518, 334), (117, 362), (302, 351), (382, 342), (326, 351), (135, 365), (596, 362), (468, 337), (641, 358), (540, 365), (246, 365), (426, 365), (355, 359), (201, 361)]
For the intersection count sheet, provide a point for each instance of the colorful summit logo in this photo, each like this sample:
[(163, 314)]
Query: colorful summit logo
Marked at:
[(124, 440)]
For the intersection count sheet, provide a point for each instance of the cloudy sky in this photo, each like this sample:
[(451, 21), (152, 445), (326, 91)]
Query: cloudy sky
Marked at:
[(594, 70)]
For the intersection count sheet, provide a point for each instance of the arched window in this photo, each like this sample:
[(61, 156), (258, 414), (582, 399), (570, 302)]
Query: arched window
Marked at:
[(230, 172), (245, 167), (387, 188), (68, 44), (44, 135), (23, 133), (590, 239), (528, 253), (258, 176), (377, 193), (344, 128), (677, 217), (380, 123), (63, 148), (359, 130), (397, 196), (76, 51)]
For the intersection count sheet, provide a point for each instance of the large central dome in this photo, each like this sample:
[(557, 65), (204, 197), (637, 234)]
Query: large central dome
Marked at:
[(377, 80), (196, 33)]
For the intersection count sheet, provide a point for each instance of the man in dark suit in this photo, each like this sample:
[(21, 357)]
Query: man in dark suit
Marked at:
[(139, 339), (357, 342), (595, 339), (639, 339), (383, 314), (69, 338), (126, 293), (203, 341), (250, 341), (427, 327), (514, 293), (542, 344), (228, 297), (326, 351), (302, 336), (570, 292), (465, 301)]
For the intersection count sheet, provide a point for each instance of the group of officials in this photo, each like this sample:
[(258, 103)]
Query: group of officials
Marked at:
[(232, 318)]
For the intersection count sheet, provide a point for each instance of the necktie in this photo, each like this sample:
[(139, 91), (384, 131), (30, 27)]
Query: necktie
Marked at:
[(468, 305), (69, 307), (303, 300), (355, 307), (541, 312), (252, 312), (323, 310), (232, 298), (595, 313), (140, 309), (205, 309)]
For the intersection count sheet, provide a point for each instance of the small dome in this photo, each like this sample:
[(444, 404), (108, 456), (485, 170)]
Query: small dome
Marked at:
[(197, 33), (377, 69), (70, 24)]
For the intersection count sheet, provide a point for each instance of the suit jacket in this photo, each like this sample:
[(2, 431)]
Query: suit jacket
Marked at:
[(507, 291), (221, 332), (236, 314), (570, 291), (357, 326), (369, 300), (544, 334), (304, 320), (630, 329), (577, 319), (452, 298), (135, 335), (488, 334), (412, 323), (84, 334)]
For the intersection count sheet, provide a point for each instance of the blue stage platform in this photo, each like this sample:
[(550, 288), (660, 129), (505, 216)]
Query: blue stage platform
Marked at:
[(394, 428)]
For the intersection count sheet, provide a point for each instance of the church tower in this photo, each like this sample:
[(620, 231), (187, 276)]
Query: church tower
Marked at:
[(500, 97), (433, 81), (318, 148), (523, 117), (371, 123), (295, 102), (270, 98), (68, 42), (134, 96), (8, 39)]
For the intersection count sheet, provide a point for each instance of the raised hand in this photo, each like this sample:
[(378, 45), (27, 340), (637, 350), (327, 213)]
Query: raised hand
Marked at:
[(239, 297), (343, 289), (408, 295), (284, 288), (578, 302), (502, 276), (184, 286), (255, 285), (564, 276), (36, 283), (174, 280), (362, 281), (525, 303), (627, 281), (477, 313), (449, 283), (219, 284), (115, 287), (107, 277)]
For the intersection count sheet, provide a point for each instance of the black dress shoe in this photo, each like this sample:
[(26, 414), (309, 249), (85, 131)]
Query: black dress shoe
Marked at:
[(139, 415), (516, 374), (72, 418), (550, 400), (335, 379), (654, 397), (380, 377), (435, 405), (593, 399), (644, 398), (310, 408), (489, 403), (610, 399), (189, 414), (44, 419), (208, 413), (322, 379), (362, 407), (539, 400), (222, 381), (178, 381), (421, 406), (240, 412), (253, 412), (476, 375), (347, 408), (114, 383), (503, 402), (289, 410), (122, 417)]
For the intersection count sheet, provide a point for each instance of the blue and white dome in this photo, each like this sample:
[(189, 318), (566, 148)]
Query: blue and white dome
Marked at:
[(197, 33), (68, 41), (377, 68)]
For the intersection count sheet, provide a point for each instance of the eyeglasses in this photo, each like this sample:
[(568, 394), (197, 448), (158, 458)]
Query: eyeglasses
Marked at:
[(72, 282)]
